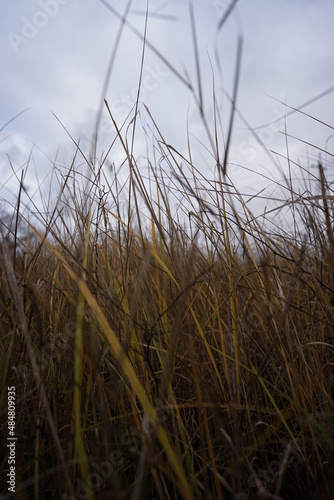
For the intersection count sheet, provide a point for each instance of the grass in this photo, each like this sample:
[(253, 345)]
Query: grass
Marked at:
[(163, 354)]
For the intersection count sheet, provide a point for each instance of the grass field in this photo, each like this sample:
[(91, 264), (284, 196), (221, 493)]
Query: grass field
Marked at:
[(162, 354)]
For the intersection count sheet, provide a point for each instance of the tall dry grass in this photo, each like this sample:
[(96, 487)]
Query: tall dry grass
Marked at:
[(157, 355)]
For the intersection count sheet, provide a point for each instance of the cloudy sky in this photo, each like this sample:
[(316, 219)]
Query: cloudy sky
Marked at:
[(55, 56)]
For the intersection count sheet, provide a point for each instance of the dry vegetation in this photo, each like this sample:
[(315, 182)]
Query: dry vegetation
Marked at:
[(163, 356)]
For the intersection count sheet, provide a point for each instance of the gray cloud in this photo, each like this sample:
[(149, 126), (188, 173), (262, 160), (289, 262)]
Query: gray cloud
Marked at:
[(56, 60)]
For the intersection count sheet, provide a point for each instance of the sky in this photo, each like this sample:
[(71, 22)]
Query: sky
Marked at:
[(55, 56)]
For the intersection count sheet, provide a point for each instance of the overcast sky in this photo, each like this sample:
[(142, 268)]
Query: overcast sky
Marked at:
[(55, 55)]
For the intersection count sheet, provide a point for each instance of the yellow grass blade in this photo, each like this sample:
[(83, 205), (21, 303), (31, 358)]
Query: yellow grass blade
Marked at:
[(127, 369)]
